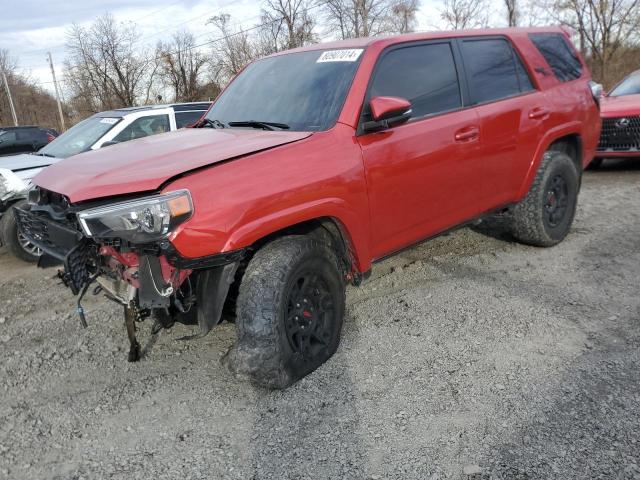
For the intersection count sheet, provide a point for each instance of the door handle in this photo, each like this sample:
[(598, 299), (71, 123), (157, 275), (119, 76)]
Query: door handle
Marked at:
[(467, 134), (539, 113)]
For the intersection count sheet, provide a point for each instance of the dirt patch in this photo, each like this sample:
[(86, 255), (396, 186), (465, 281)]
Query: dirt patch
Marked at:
[(467, 351)]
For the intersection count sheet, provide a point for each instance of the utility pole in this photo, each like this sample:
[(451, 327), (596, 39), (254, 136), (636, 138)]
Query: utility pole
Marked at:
[(13, 109), (55, 84)]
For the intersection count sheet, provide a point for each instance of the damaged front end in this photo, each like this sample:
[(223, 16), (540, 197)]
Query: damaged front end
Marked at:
[(123, 249)]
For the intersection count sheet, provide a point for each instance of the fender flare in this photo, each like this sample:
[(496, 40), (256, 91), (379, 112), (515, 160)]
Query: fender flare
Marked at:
[(572, 128), (352, 226)]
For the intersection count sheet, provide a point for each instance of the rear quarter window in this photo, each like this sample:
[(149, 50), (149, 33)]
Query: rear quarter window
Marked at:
[(185, 119), (560, 56)]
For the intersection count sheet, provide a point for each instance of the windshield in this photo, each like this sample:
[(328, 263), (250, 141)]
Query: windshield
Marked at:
[(80, 137), (304, 91), (628, 86)]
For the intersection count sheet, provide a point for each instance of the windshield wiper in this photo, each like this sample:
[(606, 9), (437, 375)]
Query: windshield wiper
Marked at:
[(207, 122), (42, 154), (257, 124)]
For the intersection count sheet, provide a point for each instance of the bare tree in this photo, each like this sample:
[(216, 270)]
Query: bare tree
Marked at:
[(364, 18), (403, 17), (233, 51), (106, 67), (8, 64), (512, 12), (533, 13), (605, 29), (182, 66), (286, 24), (461, 14)]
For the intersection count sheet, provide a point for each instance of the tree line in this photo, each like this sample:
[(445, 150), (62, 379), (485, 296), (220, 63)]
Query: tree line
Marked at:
[(108, 66)]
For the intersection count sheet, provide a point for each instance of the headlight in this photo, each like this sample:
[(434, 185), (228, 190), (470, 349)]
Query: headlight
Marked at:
[(138, 221), (10, 184)]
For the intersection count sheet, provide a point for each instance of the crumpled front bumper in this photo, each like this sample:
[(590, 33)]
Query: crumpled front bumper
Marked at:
[(145, 279), (62, 243)]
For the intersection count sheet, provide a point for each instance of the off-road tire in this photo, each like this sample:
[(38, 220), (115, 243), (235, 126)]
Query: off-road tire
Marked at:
[(265, 351), (10, 235), (532, 218)]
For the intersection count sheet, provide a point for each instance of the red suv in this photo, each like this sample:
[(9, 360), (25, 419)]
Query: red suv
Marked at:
[(620, 121), (311, 165)]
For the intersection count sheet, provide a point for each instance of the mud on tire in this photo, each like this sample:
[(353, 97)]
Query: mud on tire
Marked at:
[(543, 218), (289, 312)]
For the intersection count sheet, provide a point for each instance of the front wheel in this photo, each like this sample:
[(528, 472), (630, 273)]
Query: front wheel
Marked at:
[(17, 243), (289, 312), (544, 217)]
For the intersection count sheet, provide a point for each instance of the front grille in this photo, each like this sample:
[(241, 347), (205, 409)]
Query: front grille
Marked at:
[(60, 240), (53, 237), (620, 134)]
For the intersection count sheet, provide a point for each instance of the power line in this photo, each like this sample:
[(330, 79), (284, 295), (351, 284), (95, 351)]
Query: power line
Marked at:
[(173, 27), (215, 40)]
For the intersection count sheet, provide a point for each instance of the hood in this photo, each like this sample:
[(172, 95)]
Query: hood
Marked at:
[(26, 161), (623, 106), (145, 164)]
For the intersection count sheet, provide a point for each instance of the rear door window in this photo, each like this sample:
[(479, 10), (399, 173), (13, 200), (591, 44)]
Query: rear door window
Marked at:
[(144, 127), (185, 119), (495, 71), (425, 75), (556, 50), (27, 135)]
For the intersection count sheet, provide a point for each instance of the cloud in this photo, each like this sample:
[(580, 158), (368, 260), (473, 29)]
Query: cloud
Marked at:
[(37, 14)]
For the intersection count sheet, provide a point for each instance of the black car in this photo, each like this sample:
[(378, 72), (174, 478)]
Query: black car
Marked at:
[(24, 139)]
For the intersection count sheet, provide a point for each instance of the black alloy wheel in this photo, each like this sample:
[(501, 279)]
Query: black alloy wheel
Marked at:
[(310, 315)]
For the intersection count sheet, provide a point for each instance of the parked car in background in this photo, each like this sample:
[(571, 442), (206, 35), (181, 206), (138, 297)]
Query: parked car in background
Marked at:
[(15, 140), (620, 111), (99, 130), (317, 162)]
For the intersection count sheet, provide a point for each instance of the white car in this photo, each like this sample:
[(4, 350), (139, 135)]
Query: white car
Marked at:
[(97, 131)]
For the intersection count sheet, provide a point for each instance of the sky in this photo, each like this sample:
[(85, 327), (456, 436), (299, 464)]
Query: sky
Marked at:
[(31, 28)]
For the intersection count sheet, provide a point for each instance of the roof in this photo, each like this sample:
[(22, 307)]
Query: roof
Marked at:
[(432, 35), (4, 129), (121, 112)]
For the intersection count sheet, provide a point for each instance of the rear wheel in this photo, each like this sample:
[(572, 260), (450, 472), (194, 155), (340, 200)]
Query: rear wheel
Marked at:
[(289, 312), (544, 217), (17, 243)]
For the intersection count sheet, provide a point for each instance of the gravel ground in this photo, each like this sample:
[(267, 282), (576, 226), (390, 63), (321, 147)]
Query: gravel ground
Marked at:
[(466, 357)]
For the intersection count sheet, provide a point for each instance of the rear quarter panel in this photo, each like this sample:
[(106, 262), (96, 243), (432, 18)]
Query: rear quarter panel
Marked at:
[(573, 109)]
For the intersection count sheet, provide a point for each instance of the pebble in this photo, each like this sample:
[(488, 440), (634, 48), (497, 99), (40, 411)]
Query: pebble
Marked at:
[(472, 470), (2, 320)]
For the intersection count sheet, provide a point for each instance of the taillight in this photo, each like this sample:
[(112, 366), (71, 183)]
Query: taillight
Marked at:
[(50, 137)]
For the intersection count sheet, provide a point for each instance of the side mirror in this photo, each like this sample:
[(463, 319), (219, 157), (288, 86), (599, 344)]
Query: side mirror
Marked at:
[(388, 112), (109, 143)]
